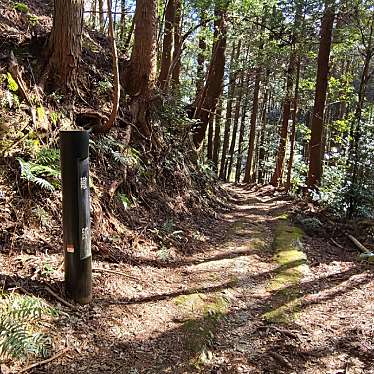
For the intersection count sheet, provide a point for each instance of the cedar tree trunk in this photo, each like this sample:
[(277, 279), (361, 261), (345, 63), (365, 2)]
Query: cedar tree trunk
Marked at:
[(315, 145), (65, 42), (167, 46), (252, 132), (213, 86)]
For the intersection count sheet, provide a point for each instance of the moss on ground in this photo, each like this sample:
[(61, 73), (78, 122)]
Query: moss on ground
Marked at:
[(292, 261), (203, 313)]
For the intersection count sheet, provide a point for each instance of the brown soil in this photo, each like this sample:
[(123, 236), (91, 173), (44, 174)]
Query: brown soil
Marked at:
[(204, 312)]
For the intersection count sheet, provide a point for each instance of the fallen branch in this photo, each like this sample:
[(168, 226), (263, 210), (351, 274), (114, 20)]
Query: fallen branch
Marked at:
[(360, 246), (59, 298), (336, 244), (288, 333), (40, 363), (101, 270), (281, 359)]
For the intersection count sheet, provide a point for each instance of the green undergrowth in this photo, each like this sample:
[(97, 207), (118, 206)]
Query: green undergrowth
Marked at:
[(292, 262), (201, 316), (24, 324)]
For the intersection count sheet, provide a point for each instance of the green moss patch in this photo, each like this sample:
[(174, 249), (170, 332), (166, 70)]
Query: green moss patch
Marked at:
[(292, 261), (202, 315)]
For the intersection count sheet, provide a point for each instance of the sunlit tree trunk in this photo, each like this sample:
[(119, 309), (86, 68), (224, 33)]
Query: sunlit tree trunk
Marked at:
[(230, 96), (238, 104), (139, 78), (65, 42), (293, 129), (242, 130), (252, 131), (200, 63), (209, 96), (176, 68), (276, 179), (210, 137), (167, 47), (217, 134), (315, 148), (261, 146)]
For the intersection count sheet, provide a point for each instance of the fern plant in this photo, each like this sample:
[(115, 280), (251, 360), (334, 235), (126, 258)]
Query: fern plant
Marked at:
[(21, 319), (121, 154), (44, 171)]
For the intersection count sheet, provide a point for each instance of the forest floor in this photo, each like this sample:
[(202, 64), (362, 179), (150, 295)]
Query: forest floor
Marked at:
[(260, 297)]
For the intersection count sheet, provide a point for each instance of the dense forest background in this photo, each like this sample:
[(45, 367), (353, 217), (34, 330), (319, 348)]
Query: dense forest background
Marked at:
[(256, 92)]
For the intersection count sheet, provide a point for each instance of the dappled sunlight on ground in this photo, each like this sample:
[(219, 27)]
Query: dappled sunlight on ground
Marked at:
[(259, 297)]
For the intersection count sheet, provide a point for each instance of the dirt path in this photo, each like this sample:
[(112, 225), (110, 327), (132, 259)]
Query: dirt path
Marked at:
[(260, 298)]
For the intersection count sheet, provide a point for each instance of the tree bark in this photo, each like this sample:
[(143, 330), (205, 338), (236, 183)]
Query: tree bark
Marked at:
[(262, 136), (140, 76), (217, 134), (101, 15), (176, 70), (354, 151), (241, 131), (230, 96), (276, 179), (65, 42), (214, 82), (116, 86), (238, 103), (123, 20), (93, 14), (167, 46), (200, 63), (252, 132), (293, 130), (315, 155), (210, 137)]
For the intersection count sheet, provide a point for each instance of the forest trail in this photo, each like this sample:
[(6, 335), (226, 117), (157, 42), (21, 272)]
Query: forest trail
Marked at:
[(231, 307)]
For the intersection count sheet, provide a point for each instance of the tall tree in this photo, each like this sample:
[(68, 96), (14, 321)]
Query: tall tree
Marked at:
[(212, 89), (239, 97), (252, 131), (116, 86), (200, 61), (242, 130), (139, 77), (356, 126), (315, 147), (210, 137), (293, 129), (262, 135), (101, 15), (167, 47), (277, 177), (176, 65), (235, 52), (65, 42), (217, 134)]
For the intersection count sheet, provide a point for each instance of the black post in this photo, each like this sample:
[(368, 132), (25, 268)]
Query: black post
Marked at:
[(76, 214)]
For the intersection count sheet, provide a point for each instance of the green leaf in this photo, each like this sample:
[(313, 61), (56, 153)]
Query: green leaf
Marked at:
[(12, 84)]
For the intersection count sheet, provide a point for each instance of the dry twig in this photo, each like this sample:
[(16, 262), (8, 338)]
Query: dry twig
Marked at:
[(336, 244), (360, 246), (101, 270), (59, 298), (57, 355)]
